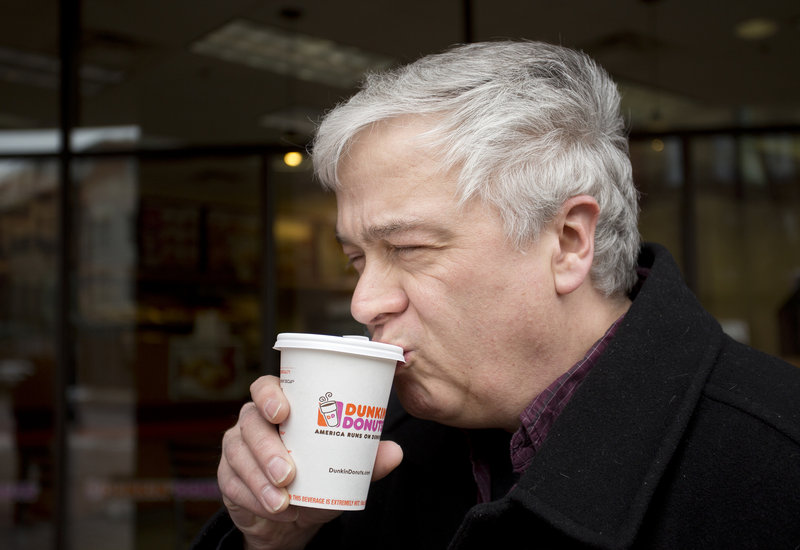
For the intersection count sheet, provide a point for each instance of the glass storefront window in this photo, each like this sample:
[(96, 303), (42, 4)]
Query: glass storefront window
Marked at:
[(169, 330), (167, 314), (168, 339), (313, 280), (658, 175), (28, 279), (748, 236), (29, 267)]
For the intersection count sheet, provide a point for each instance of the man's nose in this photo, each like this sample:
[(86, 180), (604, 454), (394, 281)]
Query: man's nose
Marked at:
[(377, 295)]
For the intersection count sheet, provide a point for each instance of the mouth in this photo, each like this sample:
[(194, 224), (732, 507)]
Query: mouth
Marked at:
[(407, 354), (405, 363)]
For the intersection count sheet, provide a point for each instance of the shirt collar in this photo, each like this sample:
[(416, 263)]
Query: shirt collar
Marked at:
[(541, 413)]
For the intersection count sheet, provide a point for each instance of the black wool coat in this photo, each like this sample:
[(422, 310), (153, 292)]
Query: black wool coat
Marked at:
[(679, 438)]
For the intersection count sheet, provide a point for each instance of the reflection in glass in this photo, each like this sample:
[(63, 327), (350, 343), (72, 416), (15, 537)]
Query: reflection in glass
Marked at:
[(102, 440), (748, 241), (168, 340), (28, 267)]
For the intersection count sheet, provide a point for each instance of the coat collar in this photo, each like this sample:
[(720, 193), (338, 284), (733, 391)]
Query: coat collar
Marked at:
[(599, 467)]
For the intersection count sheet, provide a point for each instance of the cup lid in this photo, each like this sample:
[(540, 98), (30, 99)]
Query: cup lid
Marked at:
[(357, 345)]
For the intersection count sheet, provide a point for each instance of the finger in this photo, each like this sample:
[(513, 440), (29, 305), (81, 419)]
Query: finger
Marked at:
[(265, 446), (243, 481), (247, 521), (260, 497), (389, 457), (269, 398), (249, 470), (236, 493), (247, 509)]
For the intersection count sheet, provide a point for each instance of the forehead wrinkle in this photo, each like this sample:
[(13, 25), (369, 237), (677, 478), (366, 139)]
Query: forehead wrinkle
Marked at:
[(385, 230)]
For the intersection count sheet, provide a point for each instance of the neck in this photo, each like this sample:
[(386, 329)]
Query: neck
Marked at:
[(583, 320), (588, 315)]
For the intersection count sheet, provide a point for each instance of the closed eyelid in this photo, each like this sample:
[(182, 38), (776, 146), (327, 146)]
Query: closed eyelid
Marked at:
[(407, 247), (353, 256), (342, 240)]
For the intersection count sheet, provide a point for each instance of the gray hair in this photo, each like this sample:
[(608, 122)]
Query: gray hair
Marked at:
[(527, 124)]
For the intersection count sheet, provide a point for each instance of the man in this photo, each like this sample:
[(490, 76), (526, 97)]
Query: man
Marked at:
[(555, 393)]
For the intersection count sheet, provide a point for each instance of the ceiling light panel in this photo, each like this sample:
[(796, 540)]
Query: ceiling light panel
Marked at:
[(42, 71), (757, 28), (301, 56)]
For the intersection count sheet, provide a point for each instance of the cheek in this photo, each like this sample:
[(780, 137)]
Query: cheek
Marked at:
[(491, 291)]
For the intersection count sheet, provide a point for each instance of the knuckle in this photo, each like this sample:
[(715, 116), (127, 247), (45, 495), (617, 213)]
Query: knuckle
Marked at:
[(246, 409), (229, 435)]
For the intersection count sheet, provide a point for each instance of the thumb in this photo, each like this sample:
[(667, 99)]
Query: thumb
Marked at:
[(389, 457)]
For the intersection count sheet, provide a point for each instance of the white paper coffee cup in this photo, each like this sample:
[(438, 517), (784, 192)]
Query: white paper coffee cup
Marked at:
[(338, 389)]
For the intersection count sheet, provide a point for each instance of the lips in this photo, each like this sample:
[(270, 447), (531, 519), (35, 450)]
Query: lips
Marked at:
[(406, 351), (408, 357)]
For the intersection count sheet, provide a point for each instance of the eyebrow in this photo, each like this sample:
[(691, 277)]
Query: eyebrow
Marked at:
[(393, 227)]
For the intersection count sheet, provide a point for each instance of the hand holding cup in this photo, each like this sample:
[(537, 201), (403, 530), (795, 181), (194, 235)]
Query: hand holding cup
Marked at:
[(256, 469)]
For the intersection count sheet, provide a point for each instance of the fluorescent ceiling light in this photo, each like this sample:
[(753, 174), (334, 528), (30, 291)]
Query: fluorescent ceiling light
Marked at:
[(42, 71), (299, 55), (757, 28)]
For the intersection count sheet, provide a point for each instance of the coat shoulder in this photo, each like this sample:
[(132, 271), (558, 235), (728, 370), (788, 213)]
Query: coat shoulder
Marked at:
[(760, 386)]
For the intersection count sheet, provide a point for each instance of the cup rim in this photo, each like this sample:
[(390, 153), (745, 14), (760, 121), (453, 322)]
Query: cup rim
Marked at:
[(352, 344)]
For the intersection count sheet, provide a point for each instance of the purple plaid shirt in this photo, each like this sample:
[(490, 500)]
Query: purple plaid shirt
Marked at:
[(540, 415)]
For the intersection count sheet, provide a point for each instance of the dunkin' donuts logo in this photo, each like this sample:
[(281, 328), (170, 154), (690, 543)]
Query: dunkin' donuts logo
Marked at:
[(349, 416)]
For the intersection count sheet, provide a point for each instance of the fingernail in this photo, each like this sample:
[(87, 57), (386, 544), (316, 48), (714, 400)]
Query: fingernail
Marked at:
[(278, 470), (274, 497), (272, 407)]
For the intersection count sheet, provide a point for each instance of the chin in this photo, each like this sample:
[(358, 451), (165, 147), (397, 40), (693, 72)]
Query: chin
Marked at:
[(415, 400), (426, 405)]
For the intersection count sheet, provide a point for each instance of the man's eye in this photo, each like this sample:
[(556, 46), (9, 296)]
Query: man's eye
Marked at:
[(406, 249), (356, 262)]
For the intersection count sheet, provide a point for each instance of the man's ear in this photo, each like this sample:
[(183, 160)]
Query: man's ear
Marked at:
[(574, 226)]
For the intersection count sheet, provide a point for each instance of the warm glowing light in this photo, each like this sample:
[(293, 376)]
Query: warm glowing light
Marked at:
[(757, 28), (293, 158), (657, 145)]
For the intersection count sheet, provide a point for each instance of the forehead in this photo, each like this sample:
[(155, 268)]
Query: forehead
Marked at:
[(405, 140), (388, 164), (392, 187), (392, 182)]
